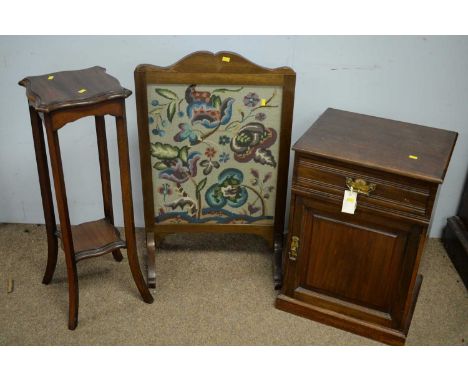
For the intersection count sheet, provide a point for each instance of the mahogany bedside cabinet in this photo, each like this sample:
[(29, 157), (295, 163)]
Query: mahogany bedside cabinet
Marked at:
[(56, 99), (357, 270)]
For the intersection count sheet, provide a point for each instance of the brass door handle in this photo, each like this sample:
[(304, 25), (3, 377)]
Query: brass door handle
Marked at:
[(293, 248), (360, 186)]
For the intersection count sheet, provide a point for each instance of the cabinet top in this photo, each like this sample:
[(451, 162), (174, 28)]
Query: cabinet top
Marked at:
[(59, 90), (406, 149)]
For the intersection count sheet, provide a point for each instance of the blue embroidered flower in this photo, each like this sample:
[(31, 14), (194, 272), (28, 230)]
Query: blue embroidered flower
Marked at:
[(228, 190), (209, 116), (186, 132), (158, 131), (224, 140), (150, 120), (155, 102), (207, 109), (223, 157), (180, 114)]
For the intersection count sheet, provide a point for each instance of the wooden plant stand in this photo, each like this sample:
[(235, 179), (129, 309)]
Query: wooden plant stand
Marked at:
[(57, 99)]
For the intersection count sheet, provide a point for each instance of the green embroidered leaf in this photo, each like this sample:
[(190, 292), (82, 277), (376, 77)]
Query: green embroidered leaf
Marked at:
[(183, 154), (224, 90), (201, 185), (160, 166), (166, 93), (164, 151), (171, 109), (264, 156), (232, 125), (216, 101)]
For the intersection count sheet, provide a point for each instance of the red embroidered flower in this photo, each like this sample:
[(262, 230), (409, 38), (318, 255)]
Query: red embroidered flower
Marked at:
[(210, 152)]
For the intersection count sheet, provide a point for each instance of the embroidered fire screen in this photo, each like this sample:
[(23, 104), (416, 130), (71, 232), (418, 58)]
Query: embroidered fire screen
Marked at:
[(214, 138)]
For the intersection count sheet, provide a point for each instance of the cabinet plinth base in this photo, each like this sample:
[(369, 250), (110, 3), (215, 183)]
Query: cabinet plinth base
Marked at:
[(346, 322)]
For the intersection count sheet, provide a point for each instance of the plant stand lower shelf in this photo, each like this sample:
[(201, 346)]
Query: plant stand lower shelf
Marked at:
[(96, 238)]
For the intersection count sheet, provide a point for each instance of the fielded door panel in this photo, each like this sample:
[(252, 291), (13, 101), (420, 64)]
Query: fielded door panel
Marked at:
[(359, 259)]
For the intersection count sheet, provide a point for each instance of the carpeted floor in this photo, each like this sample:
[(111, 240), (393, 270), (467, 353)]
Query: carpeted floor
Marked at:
[(211, 290)]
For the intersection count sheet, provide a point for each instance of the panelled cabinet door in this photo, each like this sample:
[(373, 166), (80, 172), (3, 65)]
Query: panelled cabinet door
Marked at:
[(362, 259)]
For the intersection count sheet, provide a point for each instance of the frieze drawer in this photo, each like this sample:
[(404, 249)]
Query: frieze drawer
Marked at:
[(329, 180)]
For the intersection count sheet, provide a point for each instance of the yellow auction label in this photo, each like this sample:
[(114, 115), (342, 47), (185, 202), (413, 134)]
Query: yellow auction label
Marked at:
[(50, 77), (226, 59), (412, 157), (81, 91)]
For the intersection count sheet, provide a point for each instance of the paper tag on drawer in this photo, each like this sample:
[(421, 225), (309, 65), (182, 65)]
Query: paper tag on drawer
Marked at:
[(349, 202)]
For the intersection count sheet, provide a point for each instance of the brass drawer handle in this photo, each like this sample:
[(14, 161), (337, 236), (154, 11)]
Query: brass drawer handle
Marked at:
[(294, 248), (360, 186)]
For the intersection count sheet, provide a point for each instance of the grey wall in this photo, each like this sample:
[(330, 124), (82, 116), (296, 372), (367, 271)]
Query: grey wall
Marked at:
[(415, 79)]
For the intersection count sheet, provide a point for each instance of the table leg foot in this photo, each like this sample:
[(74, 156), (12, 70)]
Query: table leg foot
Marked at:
[(73, 298), (117, 255), (52, 254)]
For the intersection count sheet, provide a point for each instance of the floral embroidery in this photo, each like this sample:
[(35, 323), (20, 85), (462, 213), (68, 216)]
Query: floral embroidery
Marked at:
[(176, 164), (195, 131), (224, 140), (262, 191), (251, 100), (260, 116), (158, 131), (186, 132), (207, 109), (252, 141), (252, 209), (165, 190), (210, 152), (223, 157), (209, 165), (228, 190), (180, 171)]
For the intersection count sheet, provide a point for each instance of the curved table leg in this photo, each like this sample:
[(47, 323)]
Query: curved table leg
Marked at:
[(52, 254), (65, 228), (124, 164), (105, 175), (46, 194), (73, 296)]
